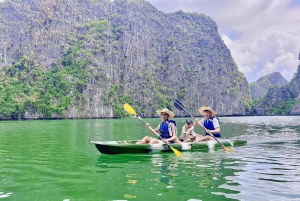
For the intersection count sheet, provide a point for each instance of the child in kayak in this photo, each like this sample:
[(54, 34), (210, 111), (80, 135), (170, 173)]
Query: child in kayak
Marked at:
[(187, 134), (167, 129)]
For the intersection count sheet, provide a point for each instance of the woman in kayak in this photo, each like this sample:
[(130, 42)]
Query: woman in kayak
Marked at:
[(167, 129), (210, 123)]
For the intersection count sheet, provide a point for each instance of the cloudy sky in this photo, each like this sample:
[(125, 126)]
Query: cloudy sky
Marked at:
[(263, 35)]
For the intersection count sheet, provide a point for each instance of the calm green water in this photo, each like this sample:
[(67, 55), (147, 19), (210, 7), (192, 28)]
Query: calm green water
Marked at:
[(52, 160)]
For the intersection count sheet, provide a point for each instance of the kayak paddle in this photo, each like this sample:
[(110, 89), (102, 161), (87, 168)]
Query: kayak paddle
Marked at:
[(180, 106), (130, 110)]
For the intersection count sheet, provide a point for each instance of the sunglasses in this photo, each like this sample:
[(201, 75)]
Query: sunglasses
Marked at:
[(164, 114)]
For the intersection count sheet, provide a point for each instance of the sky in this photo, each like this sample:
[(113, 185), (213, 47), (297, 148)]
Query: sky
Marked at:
[(262, 35)]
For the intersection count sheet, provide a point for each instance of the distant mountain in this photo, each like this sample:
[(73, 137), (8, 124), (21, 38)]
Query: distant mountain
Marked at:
[(260, 87), (281, 100), (86, 58)]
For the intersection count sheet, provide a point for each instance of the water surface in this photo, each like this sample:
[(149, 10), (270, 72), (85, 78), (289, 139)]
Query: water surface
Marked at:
[(52, 160)]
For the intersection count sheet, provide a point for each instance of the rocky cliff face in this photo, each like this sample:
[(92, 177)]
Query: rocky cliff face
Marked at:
[(295, 110), (280, 100), (85, 59), (260, 87)]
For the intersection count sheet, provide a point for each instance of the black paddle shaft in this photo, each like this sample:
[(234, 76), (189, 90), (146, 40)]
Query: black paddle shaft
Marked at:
[(180, 106)]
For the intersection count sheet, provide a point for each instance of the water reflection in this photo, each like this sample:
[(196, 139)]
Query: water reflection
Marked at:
[(196, 177)]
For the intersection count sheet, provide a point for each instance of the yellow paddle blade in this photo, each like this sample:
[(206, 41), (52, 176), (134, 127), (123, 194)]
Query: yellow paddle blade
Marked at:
[(228, 149), (129, 109), (176, 152)]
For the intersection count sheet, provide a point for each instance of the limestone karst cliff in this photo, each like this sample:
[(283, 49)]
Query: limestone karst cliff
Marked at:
[(260, 87), (86, 58)]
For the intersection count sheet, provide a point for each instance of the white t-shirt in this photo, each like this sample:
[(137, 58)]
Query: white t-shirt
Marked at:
[(215, 122), (188, 133)]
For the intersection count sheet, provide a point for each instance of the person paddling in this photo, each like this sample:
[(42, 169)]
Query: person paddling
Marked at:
[(210, 123), (167, 129)]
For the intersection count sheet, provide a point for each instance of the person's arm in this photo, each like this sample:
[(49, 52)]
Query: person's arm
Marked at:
[(155, 129), (216, 126), (172, 129), (196, 122), (217, 130), (190, 132), (183, 133), (199, 123)]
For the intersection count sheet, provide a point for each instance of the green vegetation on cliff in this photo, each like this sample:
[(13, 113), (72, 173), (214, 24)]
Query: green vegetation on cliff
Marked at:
[(24, 85), (284, 107)]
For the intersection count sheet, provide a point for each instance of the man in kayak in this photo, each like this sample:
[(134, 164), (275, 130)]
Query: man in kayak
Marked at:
[(167, 129), (210, 124), (187, 134)]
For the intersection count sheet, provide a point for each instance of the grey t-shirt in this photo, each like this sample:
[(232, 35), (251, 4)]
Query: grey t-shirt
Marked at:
[(214, 120)]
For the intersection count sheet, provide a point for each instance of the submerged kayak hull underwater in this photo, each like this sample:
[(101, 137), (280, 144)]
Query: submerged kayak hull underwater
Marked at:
[(129, 147)]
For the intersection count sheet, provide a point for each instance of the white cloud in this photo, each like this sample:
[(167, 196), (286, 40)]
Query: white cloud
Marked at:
[(226, 39), (285, 64), (247, 69), (265, 50), (258, 32)]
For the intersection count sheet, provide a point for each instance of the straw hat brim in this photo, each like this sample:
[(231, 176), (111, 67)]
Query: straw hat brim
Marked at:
[(165, 110), (202, 109)]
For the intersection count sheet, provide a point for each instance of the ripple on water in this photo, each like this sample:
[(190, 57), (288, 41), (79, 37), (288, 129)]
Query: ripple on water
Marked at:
[(5, 195), (268, 170)]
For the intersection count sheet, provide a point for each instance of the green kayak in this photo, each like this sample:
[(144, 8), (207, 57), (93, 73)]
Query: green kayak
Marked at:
[(128, 147)]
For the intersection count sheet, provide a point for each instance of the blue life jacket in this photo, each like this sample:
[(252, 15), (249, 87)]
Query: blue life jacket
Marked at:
[(210, 126), (164, 129)]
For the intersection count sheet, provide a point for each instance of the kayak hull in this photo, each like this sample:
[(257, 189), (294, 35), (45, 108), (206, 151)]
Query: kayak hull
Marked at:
[(130, 147), (113, 149)]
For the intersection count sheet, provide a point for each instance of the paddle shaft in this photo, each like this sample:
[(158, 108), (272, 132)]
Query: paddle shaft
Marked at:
[(179, 104), (152, 130), (211, 135)]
